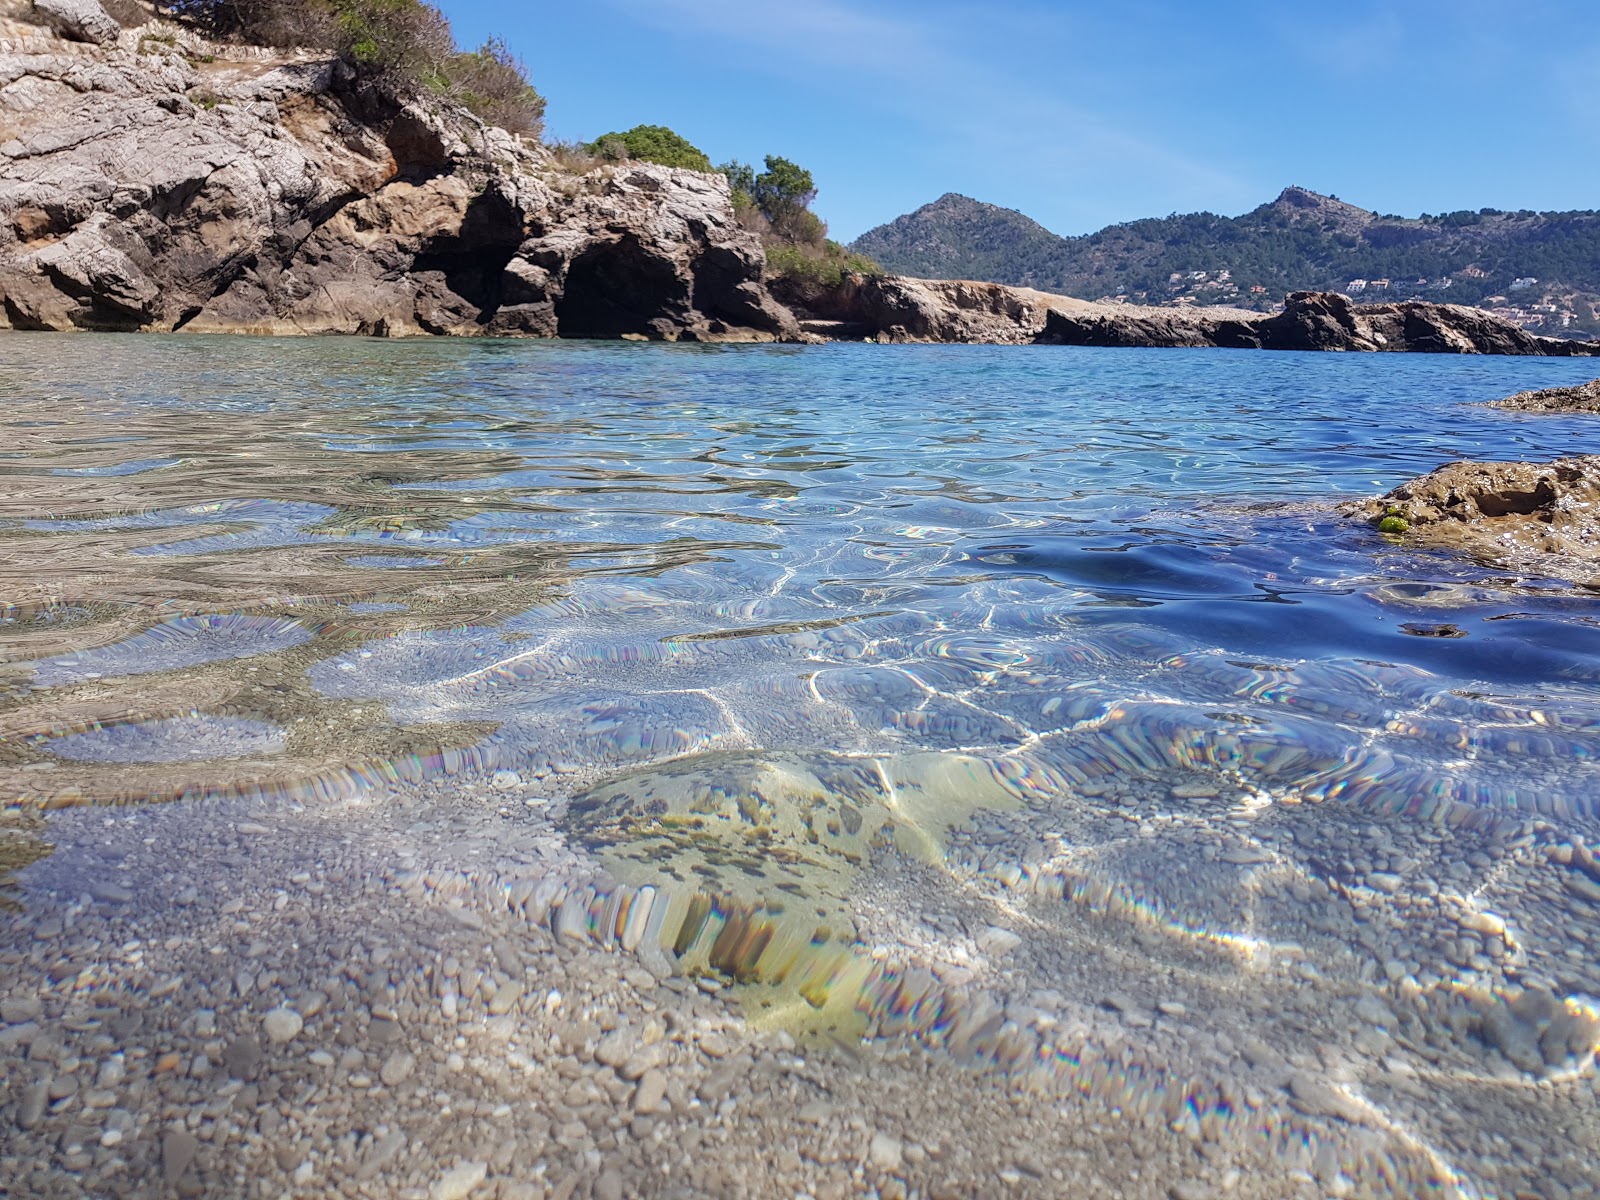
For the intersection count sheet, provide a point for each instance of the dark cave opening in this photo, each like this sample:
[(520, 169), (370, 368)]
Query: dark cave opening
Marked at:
[(617, 289)]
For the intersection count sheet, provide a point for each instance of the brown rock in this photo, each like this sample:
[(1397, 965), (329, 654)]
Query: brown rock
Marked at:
[(1542, 517), (897, 309), (1583, 398)]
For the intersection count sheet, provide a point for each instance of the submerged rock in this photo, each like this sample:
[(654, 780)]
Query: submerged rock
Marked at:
[(171, 183), (1543, 517), (1583, 398)]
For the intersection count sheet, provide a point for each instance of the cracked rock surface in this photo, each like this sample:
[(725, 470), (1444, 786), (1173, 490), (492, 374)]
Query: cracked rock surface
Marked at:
[(153, 181)]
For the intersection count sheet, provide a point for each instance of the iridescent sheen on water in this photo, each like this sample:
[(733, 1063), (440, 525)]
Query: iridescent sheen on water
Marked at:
[(1080, 625)]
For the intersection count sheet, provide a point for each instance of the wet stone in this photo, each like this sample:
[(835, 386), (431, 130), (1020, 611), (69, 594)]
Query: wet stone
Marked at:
[(178, 1148), (397, 1068), (242, 1056), (459, 1182)]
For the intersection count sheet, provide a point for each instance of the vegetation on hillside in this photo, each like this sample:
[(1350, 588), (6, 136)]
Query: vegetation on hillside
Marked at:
[(776, 203), (653, 144), (1300, 241), (403, 45)]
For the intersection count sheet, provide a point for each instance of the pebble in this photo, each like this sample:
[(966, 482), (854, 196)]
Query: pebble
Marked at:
[(458, 1183), (608, 1186), (381, 1154), (1190, 1189), (17, 1009), (34, 1098), (651, 1092), (642, 1060), (885, 1152), (998, 942), (615, 1048), (282, 1025), (397, 1068), (178, 1148), (241, 1057)]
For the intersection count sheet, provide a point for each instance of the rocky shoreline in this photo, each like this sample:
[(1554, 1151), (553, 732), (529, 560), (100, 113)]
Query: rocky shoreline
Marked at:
[(1537, 517), (153, 181), (1585, 398), (892, 309)]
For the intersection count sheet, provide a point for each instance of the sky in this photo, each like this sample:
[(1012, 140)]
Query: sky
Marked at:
[(1085, 114)]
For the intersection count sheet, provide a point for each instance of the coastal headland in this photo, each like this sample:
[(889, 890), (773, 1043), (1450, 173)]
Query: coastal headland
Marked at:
[(154, 180)]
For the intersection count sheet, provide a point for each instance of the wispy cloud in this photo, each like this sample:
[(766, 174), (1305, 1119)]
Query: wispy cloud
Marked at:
[(911, 65)]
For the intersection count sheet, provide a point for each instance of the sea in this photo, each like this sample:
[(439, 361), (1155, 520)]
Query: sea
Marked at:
[(1030, 691)]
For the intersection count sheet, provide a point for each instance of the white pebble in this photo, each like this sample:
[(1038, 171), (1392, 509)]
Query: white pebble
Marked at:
[(282, 1025)]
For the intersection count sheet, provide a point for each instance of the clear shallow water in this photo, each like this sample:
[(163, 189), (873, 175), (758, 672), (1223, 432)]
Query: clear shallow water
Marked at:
[(1079, 620)]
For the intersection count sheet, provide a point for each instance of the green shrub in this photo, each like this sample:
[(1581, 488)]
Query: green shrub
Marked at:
[(403, 46), (493, 83), (652, 144), (821, 266)]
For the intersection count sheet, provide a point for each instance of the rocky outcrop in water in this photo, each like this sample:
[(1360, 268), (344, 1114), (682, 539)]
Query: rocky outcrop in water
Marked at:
[(1585, 398), (152, 181), (1540, 517), (897, 309)]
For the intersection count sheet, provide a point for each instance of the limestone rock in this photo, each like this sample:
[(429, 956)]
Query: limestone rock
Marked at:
[(81, 20), (897, 309), (1544, 517), (222, 190), (1583, 398)]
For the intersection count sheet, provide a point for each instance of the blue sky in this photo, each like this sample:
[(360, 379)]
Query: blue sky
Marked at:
[(1083, 114)]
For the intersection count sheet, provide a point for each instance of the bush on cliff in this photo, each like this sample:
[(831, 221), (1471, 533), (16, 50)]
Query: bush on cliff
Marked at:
[(777, 204), (404, 46), (820, 265), (652, 144)]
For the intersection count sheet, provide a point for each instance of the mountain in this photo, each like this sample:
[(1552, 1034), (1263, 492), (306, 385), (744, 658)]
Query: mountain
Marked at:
[(1302, 241)]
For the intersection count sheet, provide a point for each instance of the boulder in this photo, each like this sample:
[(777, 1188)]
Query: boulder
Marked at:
[(1542, 518), (80, 20)]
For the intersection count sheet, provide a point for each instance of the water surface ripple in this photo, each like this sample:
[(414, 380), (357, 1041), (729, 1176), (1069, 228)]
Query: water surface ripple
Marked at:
[(1075, 624)]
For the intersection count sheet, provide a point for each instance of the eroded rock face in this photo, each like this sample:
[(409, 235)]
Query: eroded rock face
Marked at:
[(1585, 398), (1540, 517), (897, 309), (143, 187)]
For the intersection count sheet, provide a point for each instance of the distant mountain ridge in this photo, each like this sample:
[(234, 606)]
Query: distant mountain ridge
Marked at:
[(1301, 241)]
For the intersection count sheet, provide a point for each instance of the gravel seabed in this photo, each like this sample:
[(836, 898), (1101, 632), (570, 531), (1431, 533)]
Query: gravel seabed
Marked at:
[(347, 998)]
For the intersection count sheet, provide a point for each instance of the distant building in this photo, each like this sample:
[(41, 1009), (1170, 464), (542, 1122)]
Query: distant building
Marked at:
[(1258, 290), (1473, 273), (1526, 281), (1175, 277), (1224, 276), (1379, 285), (1197, 276), (1356, 286)]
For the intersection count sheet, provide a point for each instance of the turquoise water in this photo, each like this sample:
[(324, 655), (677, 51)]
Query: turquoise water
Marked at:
[(1108, 585)]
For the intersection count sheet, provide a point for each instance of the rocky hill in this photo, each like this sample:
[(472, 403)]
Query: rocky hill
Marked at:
[(1532, 267), (150, 180)]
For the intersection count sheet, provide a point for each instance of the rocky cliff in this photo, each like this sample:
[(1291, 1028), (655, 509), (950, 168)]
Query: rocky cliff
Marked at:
[(897, 309), (152, 181)]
